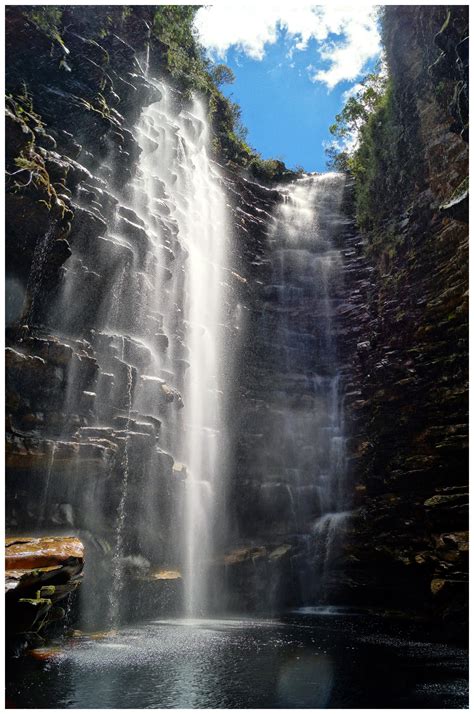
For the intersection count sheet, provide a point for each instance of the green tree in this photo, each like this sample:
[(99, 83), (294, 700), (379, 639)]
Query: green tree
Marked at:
[(222, 74), (354, 116)]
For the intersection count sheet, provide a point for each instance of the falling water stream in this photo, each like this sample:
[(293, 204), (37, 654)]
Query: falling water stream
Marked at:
[(117, 567), (158, 335), (176, 170), (307, 274)]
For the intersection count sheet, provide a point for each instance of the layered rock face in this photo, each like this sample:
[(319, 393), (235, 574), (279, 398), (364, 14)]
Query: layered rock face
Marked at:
[(409, 413), (98, 344), (55, 382)]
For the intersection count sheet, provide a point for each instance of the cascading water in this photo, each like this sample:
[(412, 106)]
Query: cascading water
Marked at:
[(307, 445), (141, 319), (178, 171), (117, 567), (146, 373)]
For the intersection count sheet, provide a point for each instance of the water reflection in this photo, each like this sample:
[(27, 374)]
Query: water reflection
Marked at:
[(302, 662), (306, 680)]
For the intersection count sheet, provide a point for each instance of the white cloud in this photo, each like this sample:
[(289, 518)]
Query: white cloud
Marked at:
[(352, 92), (250, 27), (348, 143)]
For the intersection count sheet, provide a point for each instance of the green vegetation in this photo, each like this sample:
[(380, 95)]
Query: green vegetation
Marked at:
[(31, 172), (268, 169), (374, 161), (350, 122), (22, 107), (369, 144), (221, 74), (180, 52), (48, 19), (367, 134), (27, 171)]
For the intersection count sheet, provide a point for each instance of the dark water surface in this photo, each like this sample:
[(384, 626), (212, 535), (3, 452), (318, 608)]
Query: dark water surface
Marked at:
[(313, 659)]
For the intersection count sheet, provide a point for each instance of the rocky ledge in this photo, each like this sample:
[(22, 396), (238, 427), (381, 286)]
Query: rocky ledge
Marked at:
[(39, 574)]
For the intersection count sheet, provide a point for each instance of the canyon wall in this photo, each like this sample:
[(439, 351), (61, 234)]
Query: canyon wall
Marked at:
[(409, 411), (399, 325)]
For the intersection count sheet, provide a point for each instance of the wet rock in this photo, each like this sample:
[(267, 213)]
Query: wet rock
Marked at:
[(27, 554), (86, 227), (27, 220), (39, 572), (130, 215), (125, 380), (446, 500), (137, 237), (165, 575), (136, 353), (161, 341), (155, 394), (17, 134)]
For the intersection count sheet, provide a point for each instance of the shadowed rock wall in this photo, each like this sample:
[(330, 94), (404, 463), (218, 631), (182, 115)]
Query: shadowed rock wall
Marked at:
[(409, 413)]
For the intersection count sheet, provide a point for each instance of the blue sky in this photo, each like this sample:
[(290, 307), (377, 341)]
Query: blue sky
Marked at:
[(293, 65)]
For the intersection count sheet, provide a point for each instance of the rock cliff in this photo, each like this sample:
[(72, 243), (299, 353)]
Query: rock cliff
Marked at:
[(409, 410), (400, 331), (70, 427)]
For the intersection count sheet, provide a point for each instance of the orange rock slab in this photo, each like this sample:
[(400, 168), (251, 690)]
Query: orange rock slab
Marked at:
[(34, 553)]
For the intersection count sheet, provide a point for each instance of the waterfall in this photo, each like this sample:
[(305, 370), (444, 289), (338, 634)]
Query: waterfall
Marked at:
[(142, 314), (178, 192), (141, 333), (308, 442)]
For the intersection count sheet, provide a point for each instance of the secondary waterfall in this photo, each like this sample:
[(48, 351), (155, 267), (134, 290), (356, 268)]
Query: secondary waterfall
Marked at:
[(304, 464)]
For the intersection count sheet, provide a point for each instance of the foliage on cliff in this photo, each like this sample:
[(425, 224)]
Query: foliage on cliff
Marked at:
[(370, 137), (365, 134), (376, 141)]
